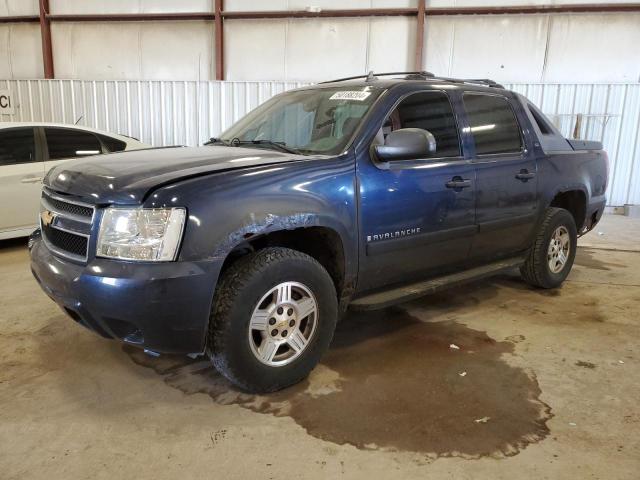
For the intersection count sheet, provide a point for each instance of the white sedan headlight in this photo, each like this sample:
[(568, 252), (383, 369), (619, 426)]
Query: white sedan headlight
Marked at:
[(144, 234)]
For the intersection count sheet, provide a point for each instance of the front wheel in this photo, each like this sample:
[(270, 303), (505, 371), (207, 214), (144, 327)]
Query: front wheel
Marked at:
[(551, 256), (273, 317)]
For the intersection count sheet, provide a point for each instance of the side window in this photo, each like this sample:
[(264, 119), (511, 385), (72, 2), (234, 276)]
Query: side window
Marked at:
[(541, 121), (67, 143), (493, 124), (429, 111), (17, 145), (113, 144)]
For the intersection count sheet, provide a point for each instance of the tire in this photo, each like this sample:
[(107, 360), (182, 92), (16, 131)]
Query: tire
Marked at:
[(273, 284), (537, 269)]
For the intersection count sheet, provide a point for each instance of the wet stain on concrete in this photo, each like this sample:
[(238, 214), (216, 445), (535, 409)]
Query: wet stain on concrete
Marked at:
[(392, 382), (580, 363), (585, 257)]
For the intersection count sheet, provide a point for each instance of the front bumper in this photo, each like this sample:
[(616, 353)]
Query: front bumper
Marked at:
[(163, 307)]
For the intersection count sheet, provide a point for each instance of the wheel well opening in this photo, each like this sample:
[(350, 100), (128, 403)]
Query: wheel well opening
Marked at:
[(574, 202), (321, 243)]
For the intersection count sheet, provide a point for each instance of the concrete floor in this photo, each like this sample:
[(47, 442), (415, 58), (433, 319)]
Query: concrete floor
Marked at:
[(543, 385)]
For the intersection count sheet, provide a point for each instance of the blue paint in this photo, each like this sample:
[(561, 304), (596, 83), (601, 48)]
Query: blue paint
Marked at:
[(421, 228)]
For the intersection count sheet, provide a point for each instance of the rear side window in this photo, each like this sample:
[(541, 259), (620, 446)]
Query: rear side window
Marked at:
[(67, 143), (541, 121), (113, 144), (493, 124), (428, 111), (17, 145)]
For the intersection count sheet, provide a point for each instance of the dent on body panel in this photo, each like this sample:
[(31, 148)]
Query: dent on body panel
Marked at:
[(253, 225), (227, 209), (570, 171)]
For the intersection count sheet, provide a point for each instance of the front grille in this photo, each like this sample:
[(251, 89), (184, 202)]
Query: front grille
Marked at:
[(67, 207), (66, 225), (66, 241)]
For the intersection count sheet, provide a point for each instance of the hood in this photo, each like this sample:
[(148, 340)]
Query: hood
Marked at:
[(127, 177)]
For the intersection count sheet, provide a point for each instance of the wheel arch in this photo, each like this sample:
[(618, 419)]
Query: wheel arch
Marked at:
[(322, 243), (574, 200)]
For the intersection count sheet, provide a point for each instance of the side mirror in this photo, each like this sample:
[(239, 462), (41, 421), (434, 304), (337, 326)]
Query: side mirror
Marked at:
[(406, 144)]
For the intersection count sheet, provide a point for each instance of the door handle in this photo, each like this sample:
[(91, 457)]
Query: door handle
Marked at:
[(458, 182), (525, 175), (31, 180)]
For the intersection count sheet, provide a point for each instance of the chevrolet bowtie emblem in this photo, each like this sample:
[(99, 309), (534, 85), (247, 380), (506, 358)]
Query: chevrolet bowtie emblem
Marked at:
[(47, 217)]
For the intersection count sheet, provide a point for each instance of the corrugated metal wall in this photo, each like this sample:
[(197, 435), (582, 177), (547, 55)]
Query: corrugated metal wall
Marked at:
[(168, 113)]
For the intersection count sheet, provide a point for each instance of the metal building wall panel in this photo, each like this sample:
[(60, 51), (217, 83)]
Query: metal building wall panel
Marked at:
[(315, 47), (395, 56), (261, 5), (127, 6), (20, 51), (10, 8), (263, 41), (133, 50), (190, 112)]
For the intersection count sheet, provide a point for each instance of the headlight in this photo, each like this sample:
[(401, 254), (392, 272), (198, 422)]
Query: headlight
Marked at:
[(145, 234)]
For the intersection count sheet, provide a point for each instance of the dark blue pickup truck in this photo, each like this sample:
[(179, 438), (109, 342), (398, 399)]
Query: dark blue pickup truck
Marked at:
[(359, 192)]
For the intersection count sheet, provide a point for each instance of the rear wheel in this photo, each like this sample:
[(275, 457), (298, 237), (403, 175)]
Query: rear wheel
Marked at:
[(273, 317), (552, 254)]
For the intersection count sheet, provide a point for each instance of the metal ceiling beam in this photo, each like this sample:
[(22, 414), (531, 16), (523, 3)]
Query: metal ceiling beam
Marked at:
[(131, 17), (45, 35), (363, 12), (537, 9), (369, 12), (419, 35), (390, 12), (20, 19), (219, 40)]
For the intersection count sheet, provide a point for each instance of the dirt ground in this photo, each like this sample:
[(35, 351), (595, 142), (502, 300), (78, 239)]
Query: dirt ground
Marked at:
[(492, 380)]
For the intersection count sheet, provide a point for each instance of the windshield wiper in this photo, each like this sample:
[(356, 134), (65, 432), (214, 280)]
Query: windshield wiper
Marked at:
[(236, 142), (283, 147)]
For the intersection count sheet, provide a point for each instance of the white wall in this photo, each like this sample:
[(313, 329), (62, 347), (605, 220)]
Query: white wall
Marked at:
[(523, 48), (254, 5), (133, 50), (128, 6), (20, 51), (313, 49), (530, 48), (18, 7)]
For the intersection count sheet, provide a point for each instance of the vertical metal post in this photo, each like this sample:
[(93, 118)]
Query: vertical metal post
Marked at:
[(45, 33), (219, 40), (420, 35)]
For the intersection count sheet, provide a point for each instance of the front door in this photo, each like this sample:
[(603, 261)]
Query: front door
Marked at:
[(506, 177), (417, 216), (21, 173)]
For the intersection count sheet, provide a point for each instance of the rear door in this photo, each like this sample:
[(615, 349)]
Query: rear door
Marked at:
[(67, 143), (21, 173), (506, 176), (416, 215)]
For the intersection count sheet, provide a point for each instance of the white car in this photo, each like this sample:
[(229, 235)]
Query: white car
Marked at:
[(28, 151)]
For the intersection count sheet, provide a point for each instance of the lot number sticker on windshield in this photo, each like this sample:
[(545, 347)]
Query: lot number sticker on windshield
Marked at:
[(350, 95)]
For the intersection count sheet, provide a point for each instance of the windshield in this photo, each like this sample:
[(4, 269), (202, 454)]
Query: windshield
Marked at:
[(321, 121)]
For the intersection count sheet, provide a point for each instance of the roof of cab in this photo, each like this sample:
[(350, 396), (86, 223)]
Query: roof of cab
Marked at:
[(423, 78)]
